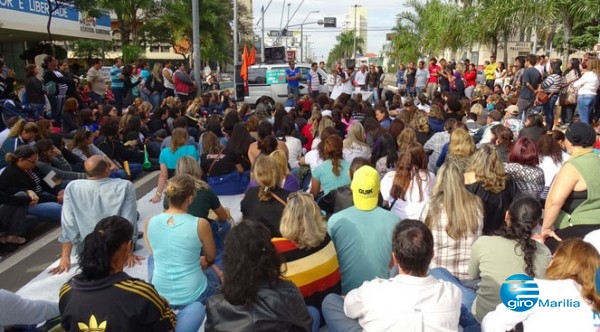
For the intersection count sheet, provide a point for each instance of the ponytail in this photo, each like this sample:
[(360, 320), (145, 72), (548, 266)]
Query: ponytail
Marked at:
[(100, 246)]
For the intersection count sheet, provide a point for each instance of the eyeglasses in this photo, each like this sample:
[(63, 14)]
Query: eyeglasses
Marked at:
[(32, 161), (299, 193)]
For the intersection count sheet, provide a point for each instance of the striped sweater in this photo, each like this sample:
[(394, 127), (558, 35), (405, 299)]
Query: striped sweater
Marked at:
[(314, 271)]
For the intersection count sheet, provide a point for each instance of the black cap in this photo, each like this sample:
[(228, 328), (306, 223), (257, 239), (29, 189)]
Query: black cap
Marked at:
[(581, 134)]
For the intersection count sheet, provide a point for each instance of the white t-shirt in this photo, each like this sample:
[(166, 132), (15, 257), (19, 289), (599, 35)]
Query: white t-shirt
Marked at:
[(294, 150), (347, 86), (550, 170), (361, 77), (405, 303), (166, 82), (4, 135), (410, 208), (313, 159)]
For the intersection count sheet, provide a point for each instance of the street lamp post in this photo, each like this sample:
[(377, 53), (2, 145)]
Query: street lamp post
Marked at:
[(302, 34), (355, 30)]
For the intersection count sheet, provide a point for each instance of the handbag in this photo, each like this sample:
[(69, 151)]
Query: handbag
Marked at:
[(542, 97), (226, 184)]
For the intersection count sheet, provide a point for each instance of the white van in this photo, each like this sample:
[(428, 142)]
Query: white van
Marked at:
[(268, 80)]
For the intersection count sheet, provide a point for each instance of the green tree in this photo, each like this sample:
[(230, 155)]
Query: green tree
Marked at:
[(130, 17), (569, 13), (54, 6), (344, 47), (89, 48)]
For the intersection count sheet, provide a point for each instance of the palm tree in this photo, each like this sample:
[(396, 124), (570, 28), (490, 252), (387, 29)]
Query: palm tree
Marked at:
[(568, 13), (345, 46)]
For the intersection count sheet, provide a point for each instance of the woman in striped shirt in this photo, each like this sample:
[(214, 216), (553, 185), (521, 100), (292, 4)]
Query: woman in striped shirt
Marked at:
[(551, 85)]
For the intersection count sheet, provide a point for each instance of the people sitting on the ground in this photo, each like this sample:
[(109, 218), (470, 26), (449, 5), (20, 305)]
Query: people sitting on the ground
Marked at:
[(51, 160), (86, 201), (223, 172), (355, 144), (13, 219), (254, 295), (17, 310), (118, 152), (572, 274), (522, 167), (204, 202), (408, 188), (21, 174), (307, 250), (410, 301), (265, 202), (572, 204), (176, 240), (454, 229), (265, 128), (289, 182), (487, 179), (333, 172), (83, 147), (361, 232), (75, 162), (21, 133), (83, 300), (341, 197), (509, 250), (168, 159)]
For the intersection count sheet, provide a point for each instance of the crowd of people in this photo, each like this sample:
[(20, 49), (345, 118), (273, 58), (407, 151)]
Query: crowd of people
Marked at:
[(405, 210)]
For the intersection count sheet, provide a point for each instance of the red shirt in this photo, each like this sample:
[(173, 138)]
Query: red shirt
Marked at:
[(471, 77), (433, 73)]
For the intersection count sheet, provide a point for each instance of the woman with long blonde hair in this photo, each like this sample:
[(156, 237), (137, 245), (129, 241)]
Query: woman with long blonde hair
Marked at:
[(266, 201), (155, 85), (460, 149), (486, 178), (355, 144), (306, 248), (454, 229), (569, 282), (407, 189)]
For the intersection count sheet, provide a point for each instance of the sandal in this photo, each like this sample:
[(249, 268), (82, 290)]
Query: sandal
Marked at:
[(15, 240)]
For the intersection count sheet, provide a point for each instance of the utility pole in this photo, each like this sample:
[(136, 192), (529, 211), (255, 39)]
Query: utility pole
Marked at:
[(196, 45), (235, 42), (355, 30), (262, 34)]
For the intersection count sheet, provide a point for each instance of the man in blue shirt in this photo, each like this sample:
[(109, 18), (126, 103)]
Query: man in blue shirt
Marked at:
[(292, 76), (362, 232), (88, 201), (117, 84)]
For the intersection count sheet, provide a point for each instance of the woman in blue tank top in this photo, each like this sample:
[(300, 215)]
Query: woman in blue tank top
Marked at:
[(176, 239)]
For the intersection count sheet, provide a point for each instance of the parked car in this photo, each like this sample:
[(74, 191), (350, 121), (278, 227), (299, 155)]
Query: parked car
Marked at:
[(268, 80)]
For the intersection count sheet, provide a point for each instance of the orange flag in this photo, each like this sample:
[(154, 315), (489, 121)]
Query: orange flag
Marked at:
[(252, 58), (244, 66)]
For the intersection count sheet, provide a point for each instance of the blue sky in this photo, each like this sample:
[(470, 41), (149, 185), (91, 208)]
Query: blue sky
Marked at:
[(381, 17)]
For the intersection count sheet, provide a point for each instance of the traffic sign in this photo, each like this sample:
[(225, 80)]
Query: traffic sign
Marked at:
[(329, 22), (281, 33)]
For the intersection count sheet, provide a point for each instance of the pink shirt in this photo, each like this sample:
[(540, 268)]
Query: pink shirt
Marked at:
[(433, 73)]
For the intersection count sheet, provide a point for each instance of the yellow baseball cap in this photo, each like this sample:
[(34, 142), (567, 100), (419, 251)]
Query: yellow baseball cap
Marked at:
[(365, 188)]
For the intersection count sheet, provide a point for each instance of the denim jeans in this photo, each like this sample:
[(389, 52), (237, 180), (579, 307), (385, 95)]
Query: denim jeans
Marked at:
[(467, 320), (46, 211), (336, 319), (96, 97), (56, 104), (294, 90), (316, 316), (419, 90), (585, 107), (37, 111), (155, 99), (549, 111), (375, 94)]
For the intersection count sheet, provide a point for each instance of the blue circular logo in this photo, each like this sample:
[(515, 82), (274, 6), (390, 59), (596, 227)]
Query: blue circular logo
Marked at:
[(519, 292)]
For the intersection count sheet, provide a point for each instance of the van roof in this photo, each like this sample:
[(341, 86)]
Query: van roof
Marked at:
[(264, 65)]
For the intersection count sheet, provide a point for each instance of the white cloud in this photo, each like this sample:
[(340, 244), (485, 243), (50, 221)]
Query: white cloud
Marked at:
[(381, 18)]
